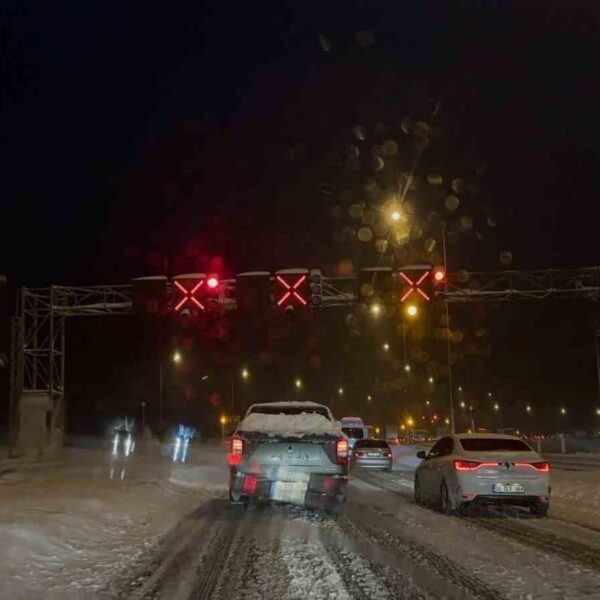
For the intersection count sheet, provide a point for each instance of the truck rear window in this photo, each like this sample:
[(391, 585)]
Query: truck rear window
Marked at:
[(493, 445)]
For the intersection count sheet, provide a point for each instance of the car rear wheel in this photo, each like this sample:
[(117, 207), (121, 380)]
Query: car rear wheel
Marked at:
[(418, 496), (445, 505), (539, 510)]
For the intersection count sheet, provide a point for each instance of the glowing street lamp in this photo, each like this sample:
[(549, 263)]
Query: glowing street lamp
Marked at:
[(223, 420), (412, 311), (528, 408), (369, 398), (407, 368), (496, 406), (410, 421), (340, 391), (176, 357), (386, 346), (427, 403), (462, 404), (395, 215), (245, 373), (598, 411), (431, 380), (298, 383), (563, 411), (375, 309)]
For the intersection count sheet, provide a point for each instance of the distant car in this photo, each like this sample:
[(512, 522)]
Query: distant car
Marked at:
[(465, 469), (372, 454), (354, 429)]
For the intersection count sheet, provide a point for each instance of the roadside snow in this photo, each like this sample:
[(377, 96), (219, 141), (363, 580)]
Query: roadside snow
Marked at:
[(67, 530)]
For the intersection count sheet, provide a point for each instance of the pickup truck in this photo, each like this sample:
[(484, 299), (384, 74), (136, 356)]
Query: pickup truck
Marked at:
[(289, 452)]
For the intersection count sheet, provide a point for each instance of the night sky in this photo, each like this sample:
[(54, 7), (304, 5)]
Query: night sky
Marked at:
[(140, 139)]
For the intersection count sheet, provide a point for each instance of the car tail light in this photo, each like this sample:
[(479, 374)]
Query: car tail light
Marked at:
[(237, 449), (387, 454), (341, 451), (542, 467), (358, 454), (472, 465)]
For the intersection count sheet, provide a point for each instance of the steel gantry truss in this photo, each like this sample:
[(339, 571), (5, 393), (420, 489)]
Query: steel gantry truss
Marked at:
[(38, 331)]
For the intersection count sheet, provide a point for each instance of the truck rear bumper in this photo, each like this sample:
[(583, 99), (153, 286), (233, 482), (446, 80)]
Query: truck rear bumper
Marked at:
[(320, 490)]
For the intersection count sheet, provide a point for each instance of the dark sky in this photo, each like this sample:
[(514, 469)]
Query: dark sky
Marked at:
[(110, 111), (130, 133)]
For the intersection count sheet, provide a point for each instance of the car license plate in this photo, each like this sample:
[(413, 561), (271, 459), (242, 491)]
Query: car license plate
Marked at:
[(508, 488), (373, 454), (288, 491)]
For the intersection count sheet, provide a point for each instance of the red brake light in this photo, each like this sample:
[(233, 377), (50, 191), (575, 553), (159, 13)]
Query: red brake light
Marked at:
[(358, 454), (341, 451), (237, 449), (471, 465), (542, 467), (387, 454)]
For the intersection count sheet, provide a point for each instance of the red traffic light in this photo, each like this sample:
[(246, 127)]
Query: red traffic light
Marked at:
[(438, 274)]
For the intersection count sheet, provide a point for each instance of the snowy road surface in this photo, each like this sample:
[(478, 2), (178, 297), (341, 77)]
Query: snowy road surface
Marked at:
[(87, 527)]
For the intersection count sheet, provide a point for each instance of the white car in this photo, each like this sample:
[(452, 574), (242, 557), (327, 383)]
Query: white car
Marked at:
[(462, 469)]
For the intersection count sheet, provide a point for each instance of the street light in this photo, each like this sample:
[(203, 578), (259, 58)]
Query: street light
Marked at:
[(386, 346), (563, 411), (598, 411), (375, 309), (410, 421), (462, 404), (176, 357), (427, 402), (447, 421), (396, 215), (489, 394), (496, 406), (431, 380), (528, 408), (460, 388), (298, 383), (412, 311), (340, 391), (245, 373), (369, 398), (407, 368)]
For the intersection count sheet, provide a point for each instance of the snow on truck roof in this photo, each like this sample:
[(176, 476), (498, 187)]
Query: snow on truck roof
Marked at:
[(297, 423)]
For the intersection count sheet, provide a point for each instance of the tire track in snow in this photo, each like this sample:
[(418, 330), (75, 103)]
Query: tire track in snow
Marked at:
[(449, 571), (548, 542)]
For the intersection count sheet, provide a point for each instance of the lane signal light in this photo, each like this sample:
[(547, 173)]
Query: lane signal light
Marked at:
[(292, 290), (189, 295), (212, 282), (414, 285)]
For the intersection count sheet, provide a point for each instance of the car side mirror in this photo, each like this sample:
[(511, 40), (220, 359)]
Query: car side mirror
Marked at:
[(421, 454)]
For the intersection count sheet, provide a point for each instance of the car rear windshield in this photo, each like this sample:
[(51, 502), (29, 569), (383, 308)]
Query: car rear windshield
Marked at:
[(493, 445), (371, 444), (290, 410), (354, 432)]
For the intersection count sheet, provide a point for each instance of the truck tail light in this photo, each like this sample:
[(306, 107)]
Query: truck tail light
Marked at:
[(341, 451), (236, 451), (249, 485)]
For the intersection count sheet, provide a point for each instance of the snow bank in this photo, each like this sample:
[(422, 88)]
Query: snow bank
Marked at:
[(304, 423)]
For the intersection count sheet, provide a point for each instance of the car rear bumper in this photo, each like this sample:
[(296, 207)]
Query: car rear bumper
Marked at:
[(509, 500), (372, 463)]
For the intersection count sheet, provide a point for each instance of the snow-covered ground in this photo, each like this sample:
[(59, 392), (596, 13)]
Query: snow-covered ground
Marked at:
[(87, 526)]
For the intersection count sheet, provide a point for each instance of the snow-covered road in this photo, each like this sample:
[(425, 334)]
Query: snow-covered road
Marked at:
[(77, 530)]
